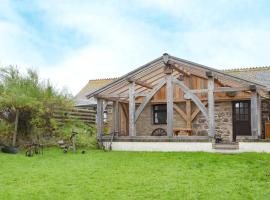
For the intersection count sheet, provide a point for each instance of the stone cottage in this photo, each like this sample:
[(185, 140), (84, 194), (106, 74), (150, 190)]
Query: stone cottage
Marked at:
[(171, 103)]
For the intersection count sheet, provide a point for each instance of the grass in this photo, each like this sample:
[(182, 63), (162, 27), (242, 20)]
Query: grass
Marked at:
[(134, 175)]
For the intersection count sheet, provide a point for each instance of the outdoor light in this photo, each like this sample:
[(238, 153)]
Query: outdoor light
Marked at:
[(166, 58)]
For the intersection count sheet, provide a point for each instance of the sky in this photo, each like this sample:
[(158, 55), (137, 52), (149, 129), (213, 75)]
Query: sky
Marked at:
[(70, 42)]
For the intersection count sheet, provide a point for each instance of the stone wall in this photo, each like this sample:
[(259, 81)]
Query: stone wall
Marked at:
[(223, 120), (145, 125)]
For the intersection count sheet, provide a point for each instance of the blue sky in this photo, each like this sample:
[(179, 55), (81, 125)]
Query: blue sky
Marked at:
[(71, 41)]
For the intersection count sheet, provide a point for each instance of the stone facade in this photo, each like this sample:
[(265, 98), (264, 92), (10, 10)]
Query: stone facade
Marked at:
[(200, 125), (145, 125), (223, 121)]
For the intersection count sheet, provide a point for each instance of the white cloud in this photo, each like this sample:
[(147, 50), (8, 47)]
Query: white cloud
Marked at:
[(116, 40), (117, 45), (16, 38)]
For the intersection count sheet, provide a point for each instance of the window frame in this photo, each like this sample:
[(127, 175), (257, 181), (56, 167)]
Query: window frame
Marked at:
[(242, 111), (158, 111)]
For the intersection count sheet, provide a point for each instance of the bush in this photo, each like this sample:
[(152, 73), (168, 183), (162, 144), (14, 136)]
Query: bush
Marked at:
[(6, 130), (86, 141), (85, 138), (27, 106)]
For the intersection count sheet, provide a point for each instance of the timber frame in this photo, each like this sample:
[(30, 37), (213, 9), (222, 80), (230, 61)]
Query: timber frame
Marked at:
[(132, 92)]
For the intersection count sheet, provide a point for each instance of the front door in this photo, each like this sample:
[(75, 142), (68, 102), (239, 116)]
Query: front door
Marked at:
[(241, 119)]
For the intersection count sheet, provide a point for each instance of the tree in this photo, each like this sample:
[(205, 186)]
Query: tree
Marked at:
[(28, 102)]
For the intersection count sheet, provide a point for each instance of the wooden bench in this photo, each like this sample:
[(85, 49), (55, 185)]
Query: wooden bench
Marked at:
[(182, 131)]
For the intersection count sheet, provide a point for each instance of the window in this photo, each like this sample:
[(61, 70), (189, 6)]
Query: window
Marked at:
[(160, 114), (242, 111)]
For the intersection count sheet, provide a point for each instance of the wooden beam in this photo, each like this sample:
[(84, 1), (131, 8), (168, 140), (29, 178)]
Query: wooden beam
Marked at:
[(141, 94), (218, 81), (108, 98), (117, 95), (187, 69), (217, 99), (132, 128), (232, 89), (188, 113), (139, 82), (223, 89), (180, 112), (151, 78), (168, 69), (197, 111), (211, 106), (169, 86), (254, 113), (259, 122), (116, 85), (199, 91), (116, 117), (125, 110), (100, 118), (181, 70), (148, 98), (194, 98)]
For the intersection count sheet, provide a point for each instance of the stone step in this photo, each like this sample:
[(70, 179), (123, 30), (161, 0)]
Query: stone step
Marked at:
[(228, 146)]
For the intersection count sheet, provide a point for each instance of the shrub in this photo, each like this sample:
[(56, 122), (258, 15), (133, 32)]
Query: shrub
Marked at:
[(27, 105)]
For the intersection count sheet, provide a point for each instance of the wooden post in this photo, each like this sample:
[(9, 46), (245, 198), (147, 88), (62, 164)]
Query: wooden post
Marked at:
[(116, 117), (188, 107), (16, 128), (211, 105), (259, 116), (254, 113), (169, 105), (188, 113), (125, 112), (100, 118), (132, 128)]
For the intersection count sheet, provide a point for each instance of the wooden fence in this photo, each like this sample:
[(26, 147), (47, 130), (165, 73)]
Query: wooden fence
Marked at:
[(84, 115)]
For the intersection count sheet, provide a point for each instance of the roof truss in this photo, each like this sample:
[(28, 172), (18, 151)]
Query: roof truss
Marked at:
[(148, 77)]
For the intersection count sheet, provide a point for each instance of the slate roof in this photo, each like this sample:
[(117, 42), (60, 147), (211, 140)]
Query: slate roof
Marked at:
[(258, 74), (91, 86)]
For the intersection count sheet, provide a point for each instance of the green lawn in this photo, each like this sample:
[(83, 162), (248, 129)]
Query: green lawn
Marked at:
[(130, 175)]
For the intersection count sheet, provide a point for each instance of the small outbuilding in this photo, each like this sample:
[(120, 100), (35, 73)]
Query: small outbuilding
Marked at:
[(81, 101)]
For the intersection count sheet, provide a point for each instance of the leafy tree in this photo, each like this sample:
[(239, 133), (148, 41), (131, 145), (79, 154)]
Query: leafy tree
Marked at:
[(28, 103)]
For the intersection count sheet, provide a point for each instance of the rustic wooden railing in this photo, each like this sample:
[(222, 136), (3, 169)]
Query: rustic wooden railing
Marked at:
[(84, 115)]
